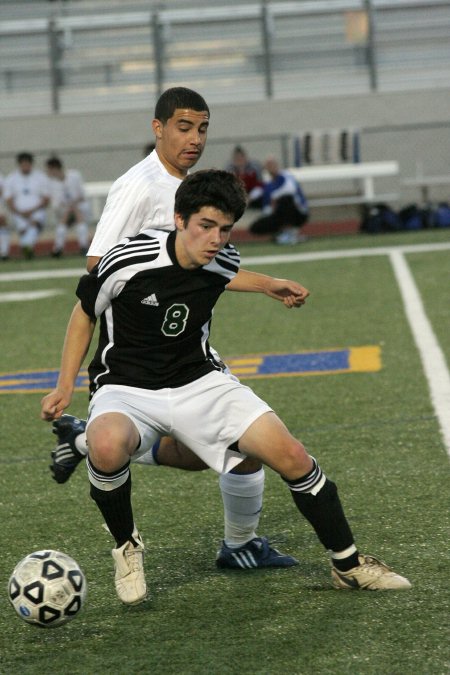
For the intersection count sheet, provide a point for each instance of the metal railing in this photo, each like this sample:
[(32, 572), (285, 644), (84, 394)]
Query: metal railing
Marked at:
[(241, 52)]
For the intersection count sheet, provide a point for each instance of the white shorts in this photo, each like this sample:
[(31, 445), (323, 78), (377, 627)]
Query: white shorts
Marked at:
[(208, 415)]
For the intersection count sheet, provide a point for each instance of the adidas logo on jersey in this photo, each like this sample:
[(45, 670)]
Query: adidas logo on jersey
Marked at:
[(151, 300)]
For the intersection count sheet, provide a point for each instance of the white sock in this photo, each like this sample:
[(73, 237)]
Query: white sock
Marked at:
[(4, 242), (29, 237), (81, 443), (60, 236), (83, 235), (242, 496)]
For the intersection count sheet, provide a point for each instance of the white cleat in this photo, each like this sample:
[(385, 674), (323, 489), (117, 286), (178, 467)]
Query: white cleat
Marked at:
[(129, 578), (371, 575)]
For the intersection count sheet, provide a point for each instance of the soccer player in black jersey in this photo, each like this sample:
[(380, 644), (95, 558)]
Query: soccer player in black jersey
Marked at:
[(153, 374), (140, 199)]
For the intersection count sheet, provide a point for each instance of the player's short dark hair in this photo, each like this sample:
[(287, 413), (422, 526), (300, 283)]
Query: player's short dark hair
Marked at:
[(211, 187), (54, 163), (178, 97), (24, 157)]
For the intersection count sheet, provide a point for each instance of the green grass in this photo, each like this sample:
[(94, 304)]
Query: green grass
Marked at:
[(375, 434)]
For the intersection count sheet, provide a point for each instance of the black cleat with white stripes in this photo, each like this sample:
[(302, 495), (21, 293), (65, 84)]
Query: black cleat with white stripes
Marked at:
[(66, 457), (256, 553)]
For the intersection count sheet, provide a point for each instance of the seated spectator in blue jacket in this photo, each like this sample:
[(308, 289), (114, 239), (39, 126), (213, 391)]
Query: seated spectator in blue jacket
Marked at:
[(285, 208)]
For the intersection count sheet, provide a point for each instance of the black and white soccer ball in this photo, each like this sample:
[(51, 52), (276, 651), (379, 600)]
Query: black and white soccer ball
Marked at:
[(47, 588)]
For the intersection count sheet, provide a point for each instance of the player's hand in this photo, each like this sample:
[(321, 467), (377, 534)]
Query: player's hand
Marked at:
[(290, 293), (54, 404)]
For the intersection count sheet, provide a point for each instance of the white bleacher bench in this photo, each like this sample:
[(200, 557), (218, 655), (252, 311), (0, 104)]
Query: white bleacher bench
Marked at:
[(362, 175), (97, 193)]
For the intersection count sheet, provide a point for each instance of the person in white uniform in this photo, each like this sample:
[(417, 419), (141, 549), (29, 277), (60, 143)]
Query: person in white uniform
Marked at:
[(144, 198), (27, 196), (70, 205), (153, 374)]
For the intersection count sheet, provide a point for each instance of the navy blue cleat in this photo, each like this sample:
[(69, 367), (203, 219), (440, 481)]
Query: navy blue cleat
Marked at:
[(66, 457), (256, 553)]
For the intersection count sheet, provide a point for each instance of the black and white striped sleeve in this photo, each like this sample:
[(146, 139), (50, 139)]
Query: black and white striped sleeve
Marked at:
[(226, 263)]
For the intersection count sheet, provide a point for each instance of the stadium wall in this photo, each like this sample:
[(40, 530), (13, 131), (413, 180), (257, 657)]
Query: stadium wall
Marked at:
[(410, 127)]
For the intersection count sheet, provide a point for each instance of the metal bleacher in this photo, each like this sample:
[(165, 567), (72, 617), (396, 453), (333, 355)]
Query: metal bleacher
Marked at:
[(87, 55)]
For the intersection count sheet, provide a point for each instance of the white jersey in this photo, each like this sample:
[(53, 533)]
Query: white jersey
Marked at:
[(140, 199), (67, 191), (27, 190)]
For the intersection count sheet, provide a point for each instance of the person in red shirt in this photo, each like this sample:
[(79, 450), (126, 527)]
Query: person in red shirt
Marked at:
[(250, 172)]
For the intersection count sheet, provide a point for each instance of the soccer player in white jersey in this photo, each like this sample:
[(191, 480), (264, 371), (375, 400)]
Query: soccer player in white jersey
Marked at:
[(153, 373), (70, 205), (27, 196), (144, 197)]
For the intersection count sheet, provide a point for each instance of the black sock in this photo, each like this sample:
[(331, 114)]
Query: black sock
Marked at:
[(115, 507), (325, 513), (345, 564)]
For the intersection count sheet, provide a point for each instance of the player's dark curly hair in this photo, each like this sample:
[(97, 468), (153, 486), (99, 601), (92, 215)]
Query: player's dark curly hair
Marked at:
[(178, 97), (211, 187)]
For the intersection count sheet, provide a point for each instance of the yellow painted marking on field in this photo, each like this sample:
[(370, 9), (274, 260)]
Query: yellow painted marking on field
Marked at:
[(365, 359)]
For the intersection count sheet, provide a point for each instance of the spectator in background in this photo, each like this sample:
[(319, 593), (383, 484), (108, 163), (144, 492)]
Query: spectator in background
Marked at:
[(70, 205), (4, 232), (27, 197), (285, 208), (250, 173)]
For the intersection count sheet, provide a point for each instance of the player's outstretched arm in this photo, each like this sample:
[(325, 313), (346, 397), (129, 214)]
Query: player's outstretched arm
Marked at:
[(290, 293), (76, 344)]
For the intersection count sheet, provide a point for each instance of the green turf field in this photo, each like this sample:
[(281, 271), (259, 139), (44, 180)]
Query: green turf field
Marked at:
[(375, 433)]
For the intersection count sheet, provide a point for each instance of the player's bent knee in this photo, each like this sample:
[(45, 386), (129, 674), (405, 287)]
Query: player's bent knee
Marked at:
[(111, 441), (294, 462)]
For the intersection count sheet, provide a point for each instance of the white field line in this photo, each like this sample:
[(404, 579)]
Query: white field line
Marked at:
[(19, 296), (431, 354), (254, 260), (42, 274), (344, 253)]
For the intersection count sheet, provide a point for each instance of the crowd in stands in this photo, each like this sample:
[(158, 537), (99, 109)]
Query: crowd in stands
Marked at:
[(32, 199)]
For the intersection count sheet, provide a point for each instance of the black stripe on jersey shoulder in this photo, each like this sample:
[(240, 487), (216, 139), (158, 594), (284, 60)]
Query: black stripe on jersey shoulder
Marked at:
[(229, 258), (232, 251), (137, 250)]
